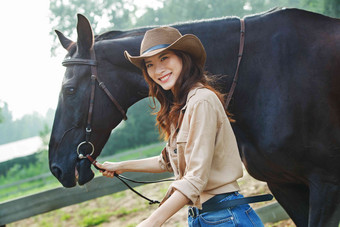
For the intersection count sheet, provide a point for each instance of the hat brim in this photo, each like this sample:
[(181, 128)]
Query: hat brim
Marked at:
[(187, 43)]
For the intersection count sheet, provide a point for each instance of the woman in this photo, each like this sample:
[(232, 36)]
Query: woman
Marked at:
[(201, 150)]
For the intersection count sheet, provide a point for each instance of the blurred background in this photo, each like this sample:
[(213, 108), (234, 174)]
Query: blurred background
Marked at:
[(32, 73)]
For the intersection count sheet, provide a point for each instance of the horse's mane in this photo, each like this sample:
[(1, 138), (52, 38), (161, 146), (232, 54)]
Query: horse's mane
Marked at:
[(116, 34)]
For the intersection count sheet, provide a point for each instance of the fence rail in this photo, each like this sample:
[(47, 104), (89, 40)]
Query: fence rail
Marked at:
[(28, 206)]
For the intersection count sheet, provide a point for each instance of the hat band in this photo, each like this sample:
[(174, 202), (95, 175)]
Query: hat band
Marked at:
[(156, 48)]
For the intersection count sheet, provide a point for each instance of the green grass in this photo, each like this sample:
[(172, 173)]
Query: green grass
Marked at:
[(51, 182)]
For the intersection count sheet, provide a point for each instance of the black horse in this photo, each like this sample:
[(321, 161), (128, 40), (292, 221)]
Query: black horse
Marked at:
[(286, 104)]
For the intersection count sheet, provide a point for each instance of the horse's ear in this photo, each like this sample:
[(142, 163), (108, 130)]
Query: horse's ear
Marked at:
[(85, 34), (65, 42)]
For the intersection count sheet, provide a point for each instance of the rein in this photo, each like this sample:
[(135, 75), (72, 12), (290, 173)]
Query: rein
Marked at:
[(94, 77), (122, 178), (240, 54)]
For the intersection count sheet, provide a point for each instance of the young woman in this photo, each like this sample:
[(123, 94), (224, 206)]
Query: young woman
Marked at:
[(201, 150)]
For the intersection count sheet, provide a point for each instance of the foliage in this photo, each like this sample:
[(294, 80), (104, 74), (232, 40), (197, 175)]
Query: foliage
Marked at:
[(117, 13), (47, 181), (139, 130), (184, 10), (33, 165), (1, 117), (328, 7), (28, 126)]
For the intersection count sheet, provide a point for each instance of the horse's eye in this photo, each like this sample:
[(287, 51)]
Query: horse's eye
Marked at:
[(69, 90)]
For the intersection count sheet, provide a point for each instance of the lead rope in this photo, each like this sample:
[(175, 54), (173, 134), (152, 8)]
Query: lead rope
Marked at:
[(122, 178)]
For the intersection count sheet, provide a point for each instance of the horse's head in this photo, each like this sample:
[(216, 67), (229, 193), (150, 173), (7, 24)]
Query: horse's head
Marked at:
[(77, 129)]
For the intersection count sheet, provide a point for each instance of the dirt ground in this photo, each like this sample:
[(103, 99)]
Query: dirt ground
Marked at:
[(126, 209)]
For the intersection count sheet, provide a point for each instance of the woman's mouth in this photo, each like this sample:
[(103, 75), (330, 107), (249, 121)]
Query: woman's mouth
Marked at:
[(165, 77)]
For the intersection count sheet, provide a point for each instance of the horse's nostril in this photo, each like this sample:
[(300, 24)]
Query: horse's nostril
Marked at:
[(56, 171)]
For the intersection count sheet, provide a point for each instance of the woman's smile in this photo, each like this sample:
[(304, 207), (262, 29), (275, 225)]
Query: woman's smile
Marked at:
[(165, 78), (164, 68)]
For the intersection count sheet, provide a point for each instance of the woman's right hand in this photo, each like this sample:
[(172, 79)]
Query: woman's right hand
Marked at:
[(110, 169)]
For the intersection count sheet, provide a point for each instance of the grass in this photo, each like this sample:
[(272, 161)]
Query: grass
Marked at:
[(51, 182)]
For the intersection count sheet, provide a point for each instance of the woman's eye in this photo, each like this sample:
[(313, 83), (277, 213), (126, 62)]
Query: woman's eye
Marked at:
[(163, 58), (70, 90), (148, 66)]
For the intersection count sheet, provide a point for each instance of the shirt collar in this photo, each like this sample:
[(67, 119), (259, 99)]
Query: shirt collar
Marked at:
[(192, 92)]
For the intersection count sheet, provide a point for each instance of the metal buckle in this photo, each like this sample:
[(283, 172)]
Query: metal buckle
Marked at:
[(192, 212)]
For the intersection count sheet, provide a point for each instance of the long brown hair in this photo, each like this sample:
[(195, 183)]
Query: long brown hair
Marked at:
[(172, 103)]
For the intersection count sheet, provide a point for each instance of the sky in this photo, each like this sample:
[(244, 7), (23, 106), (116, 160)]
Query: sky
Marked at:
[(30, 78)]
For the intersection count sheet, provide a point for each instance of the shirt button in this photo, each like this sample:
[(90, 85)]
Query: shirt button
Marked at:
[(175, 151)]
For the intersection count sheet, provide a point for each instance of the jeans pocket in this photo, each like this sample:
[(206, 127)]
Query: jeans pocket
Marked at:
[(254, 218), (217, 218)]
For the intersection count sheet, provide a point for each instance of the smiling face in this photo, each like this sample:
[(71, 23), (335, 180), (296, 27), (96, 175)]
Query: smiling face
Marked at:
[(164, 68)]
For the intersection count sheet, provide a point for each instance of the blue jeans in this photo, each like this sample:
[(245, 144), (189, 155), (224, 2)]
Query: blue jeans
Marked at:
[(242, 215)]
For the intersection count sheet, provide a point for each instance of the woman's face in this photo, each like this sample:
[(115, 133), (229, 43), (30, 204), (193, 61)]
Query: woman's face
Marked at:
[(164, 68)]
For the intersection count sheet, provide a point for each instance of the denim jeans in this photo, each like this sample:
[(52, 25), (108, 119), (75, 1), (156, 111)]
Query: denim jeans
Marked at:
[(242, 215)]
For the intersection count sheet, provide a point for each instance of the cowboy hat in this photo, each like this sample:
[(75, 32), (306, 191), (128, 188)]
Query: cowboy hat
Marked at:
[(165, 38)]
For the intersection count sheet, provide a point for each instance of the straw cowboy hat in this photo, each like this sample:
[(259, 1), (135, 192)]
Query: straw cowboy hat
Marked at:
[(165, 38)]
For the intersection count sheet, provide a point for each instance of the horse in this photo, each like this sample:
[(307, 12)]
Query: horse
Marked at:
[(286, 104)]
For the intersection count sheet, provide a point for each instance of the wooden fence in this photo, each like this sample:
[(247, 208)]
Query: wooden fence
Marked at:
[(28, 206)]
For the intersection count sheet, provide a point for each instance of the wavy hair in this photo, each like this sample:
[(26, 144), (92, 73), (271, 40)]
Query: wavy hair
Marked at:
[(171, 103)]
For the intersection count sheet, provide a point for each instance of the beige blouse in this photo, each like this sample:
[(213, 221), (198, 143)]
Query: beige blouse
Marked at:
[(203, 155)]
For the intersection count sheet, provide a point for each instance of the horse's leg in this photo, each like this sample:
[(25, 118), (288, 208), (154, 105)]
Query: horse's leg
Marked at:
[(324, 203), (294, 198)]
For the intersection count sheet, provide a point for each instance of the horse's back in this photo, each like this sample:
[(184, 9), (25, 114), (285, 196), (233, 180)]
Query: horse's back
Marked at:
[(290, 80)]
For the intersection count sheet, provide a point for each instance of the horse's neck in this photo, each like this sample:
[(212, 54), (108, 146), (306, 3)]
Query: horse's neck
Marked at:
[(220, 49)]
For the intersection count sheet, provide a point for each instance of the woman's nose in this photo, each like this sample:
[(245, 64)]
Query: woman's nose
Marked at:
[(159, 69)]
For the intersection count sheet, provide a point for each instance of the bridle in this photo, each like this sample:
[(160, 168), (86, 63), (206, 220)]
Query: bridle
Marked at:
[(94, 77), (239, 58)]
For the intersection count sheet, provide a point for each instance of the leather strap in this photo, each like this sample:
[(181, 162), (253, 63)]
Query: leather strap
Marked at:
[(216, 205), (240, 54), (235, 202), (122, 178), (79, 61)]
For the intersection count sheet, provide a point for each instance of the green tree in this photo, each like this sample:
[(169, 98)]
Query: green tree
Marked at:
[(25, 127), (117, 14), (328, 7), (139, 130), (1, 117)]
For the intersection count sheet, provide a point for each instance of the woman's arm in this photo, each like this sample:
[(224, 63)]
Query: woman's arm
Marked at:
[(148, 165), (176, 201)]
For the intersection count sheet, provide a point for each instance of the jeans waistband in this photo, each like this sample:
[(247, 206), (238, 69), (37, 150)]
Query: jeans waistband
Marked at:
[(217, 198), (194, 212), (217, 204)]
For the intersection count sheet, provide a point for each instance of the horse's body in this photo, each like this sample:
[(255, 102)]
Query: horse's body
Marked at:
[(286, 104)]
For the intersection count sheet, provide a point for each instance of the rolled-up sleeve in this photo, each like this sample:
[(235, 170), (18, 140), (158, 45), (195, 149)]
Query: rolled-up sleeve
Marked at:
[(198, 149), (163, 161)]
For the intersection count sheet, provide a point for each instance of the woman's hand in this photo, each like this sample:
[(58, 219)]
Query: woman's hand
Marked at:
[(111, 168), (148, 165)]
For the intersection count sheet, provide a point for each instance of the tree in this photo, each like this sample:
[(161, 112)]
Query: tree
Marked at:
[(1, 117), (103, 15), (139, 130), (12, 130)]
